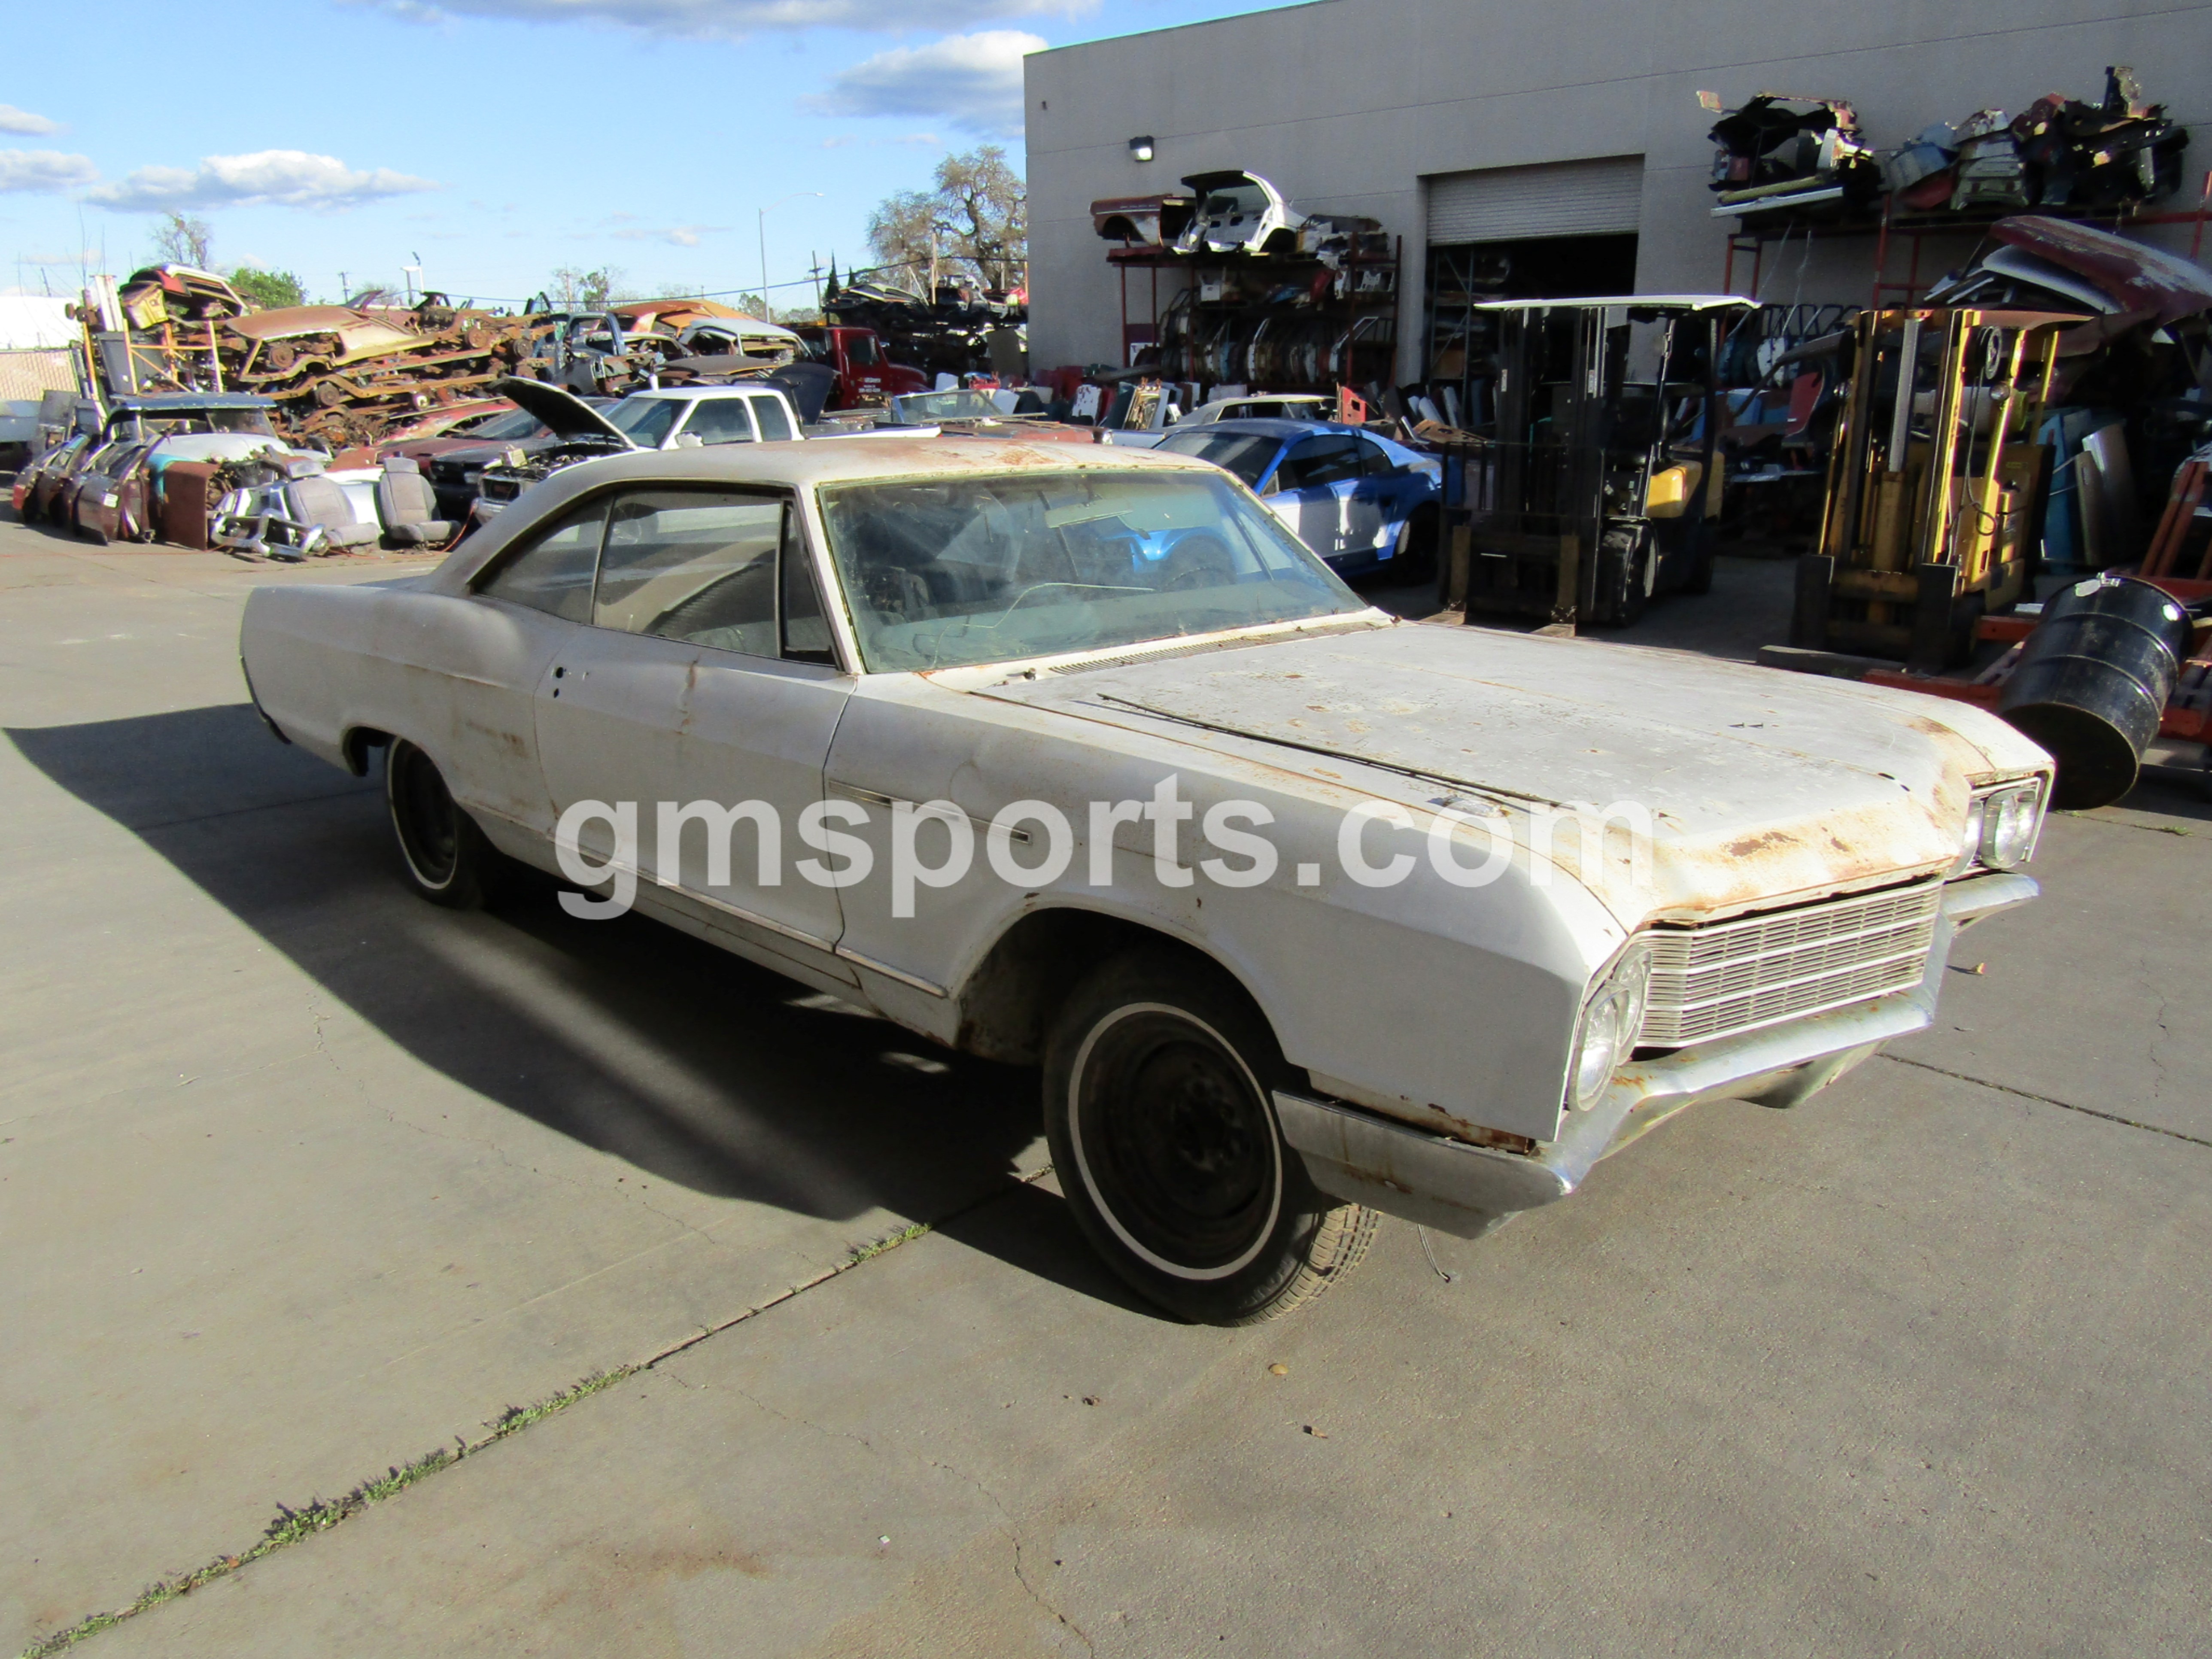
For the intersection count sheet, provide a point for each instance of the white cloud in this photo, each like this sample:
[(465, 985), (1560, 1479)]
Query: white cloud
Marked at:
[(974, 81), (287, 177), (21, 120), (674, 235), (44, 170), (89, 257), (730, 18)]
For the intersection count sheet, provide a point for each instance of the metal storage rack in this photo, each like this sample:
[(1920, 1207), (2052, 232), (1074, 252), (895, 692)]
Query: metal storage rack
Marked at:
[(1750, 239), (1320, 338)]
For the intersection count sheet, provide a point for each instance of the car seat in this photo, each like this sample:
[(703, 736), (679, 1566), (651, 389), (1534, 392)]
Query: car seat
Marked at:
[(408, 507)]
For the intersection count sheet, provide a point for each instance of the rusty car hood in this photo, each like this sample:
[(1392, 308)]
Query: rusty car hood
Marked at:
[(1763, 786)]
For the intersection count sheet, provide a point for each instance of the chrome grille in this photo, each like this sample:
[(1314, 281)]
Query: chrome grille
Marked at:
[(1734, 976)]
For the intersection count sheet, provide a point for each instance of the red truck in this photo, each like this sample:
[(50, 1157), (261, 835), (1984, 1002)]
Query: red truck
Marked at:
[(865, 376)]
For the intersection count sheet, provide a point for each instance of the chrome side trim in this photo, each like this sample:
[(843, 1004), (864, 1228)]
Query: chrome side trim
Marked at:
[(924, 985), (922, 809)]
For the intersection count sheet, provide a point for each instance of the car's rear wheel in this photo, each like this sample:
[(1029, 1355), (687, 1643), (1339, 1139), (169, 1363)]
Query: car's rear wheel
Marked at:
[(446, 858), (1158, 1075)]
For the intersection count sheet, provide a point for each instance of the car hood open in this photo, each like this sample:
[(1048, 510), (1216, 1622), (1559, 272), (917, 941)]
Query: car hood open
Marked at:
[(1762, 785), (564, 414)]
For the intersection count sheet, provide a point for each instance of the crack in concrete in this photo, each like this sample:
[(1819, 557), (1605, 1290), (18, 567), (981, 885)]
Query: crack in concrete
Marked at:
[(2047, 1100), (1012, 1534)]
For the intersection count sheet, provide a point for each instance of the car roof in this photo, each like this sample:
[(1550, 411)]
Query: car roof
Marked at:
[(808, 464), (1275, 425), (163, 403), (695, 393)]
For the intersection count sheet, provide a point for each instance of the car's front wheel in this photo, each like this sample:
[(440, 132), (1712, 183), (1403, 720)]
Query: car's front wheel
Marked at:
[(447, 860), (1158, 1076)]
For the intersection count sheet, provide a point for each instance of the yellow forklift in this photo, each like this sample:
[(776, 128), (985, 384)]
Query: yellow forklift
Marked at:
[(1937, 486)]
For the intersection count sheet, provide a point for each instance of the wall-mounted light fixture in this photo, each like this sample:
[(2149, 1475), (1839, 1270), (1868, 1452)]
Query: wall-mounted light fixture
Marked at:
[(1140, 149)]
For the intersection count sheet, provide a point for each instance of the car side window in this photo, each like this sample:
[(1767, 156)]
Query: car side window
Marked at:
[(696, 565), (720, 421), (806, 628), (553, 572), (775, 426), (1327, 457), (1375, 461)]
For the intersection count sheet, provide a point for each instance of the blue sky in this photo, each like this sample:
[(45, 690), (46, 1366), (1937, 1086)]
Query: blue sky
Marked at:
[(498, 139)]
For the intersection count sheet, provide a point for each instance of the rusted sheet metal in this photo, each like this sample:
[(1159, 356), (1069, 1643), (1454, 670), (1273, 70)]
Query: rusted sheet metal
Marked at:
[(2141, 278), (1757, 790)]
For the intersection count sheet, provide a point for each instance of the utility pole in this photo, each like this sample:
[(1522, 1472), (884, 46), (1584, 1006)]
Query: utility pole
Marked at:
[(768, 311), (345, 288)]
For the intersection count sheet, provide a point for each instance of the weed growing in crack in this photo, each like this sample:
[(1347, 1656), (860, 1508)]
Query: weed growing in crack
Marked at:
[(319, 1514)]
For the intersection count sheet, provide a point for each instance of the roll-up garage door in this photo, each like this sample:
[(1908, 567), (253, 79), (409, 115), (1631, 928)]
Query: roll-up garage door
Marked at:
[(1559, 199)]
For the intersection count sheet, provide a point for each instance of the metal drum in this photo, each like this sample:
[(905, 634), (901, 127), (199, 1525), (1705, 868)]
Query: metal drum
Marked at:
[(2093, 681)]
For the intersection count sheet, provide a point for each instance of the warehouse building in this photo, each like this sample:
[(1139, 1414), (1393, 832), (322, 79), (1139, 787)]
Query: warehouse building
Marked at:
[(1562, 141)]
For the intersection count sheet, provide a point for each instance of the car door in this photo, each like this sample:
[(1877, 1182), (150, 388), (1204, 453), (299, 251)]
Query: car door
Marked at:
[(489, 652), (706, 676), (1314, 483), (1376, 502)]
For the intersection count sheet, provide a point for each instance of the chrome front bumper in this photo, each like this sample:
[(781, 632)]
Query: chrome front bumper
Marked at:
[(1456, 1187)]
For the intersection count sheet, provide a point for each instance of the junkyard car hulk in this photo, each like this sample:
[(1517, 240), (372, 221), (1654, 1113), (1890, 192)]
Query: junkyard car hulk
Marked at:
[(1340, 914)]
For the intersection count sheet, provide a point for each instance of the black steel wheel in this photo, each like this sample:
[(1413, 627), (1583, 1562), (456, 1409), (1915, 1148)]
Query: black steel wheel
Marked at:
[(447, 860), (1158, 1076)]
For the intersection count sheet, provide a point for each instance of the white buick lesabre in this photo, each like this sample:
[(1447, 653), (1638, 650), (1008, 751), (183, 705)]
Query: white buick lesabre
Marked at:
[(1075, 757)]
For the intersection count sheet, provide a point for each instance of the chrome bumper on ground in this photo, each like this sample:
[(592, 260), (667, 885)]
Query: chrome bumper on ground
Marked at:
[(1456, 1187)]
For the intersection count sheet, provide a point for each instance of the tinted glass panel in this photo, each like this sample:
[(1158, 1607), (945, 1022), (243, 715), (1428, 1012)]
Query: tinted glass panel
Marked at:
[(720, 421), (805, 629), (645, 420), (1374, 461), (775, 424), (1247, 454), (1313, 462), (696, 565), (553, 573)]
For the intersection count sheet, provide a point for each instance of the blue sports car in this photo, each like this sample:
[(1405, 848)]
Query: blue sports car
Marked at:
[(1356, 499)]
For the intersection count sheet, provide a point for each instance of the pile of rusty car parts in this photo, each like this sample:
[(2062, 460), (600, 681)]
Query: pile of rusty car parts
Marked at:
[(340, 375), (1782, 152), (1261, 294)]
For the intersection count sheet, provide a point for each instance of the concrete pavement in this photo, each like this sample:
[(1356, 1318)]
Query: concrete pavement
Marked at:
[(303, 1177)]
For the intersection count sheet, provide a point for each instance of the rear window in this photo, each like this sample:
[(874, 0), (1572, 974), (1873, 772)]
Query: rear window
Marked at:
[(1244, 453)]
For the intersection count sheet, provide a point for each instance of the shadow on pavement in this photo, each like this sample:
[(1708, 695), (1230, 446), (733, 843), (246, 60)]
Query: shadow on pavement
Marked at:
[(626, 1035)]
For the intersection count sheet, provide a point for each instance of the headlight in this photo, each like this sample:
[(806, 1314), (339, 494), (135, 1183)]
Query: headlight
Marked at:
[(2001, 829), (2010, 819), (1611, 1020)]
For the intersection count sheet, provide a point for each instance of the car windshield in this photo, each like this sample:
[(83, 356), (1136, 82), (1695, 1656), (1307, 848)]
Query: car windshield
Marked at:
[(1244, 453), (1237, 199), (252, 420), (920, 408), (645, 420), (941, 572), (508, 423)]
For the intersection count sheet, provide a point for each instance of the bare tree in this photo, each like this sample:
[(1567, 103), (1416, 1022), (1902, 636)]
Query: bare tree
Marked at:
[(571, 289), (974, 223), (181, 239)]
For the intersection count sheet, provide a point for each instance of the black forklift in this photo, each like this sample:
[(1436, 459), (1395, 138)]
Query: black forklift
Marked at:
[(1594, 483)]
